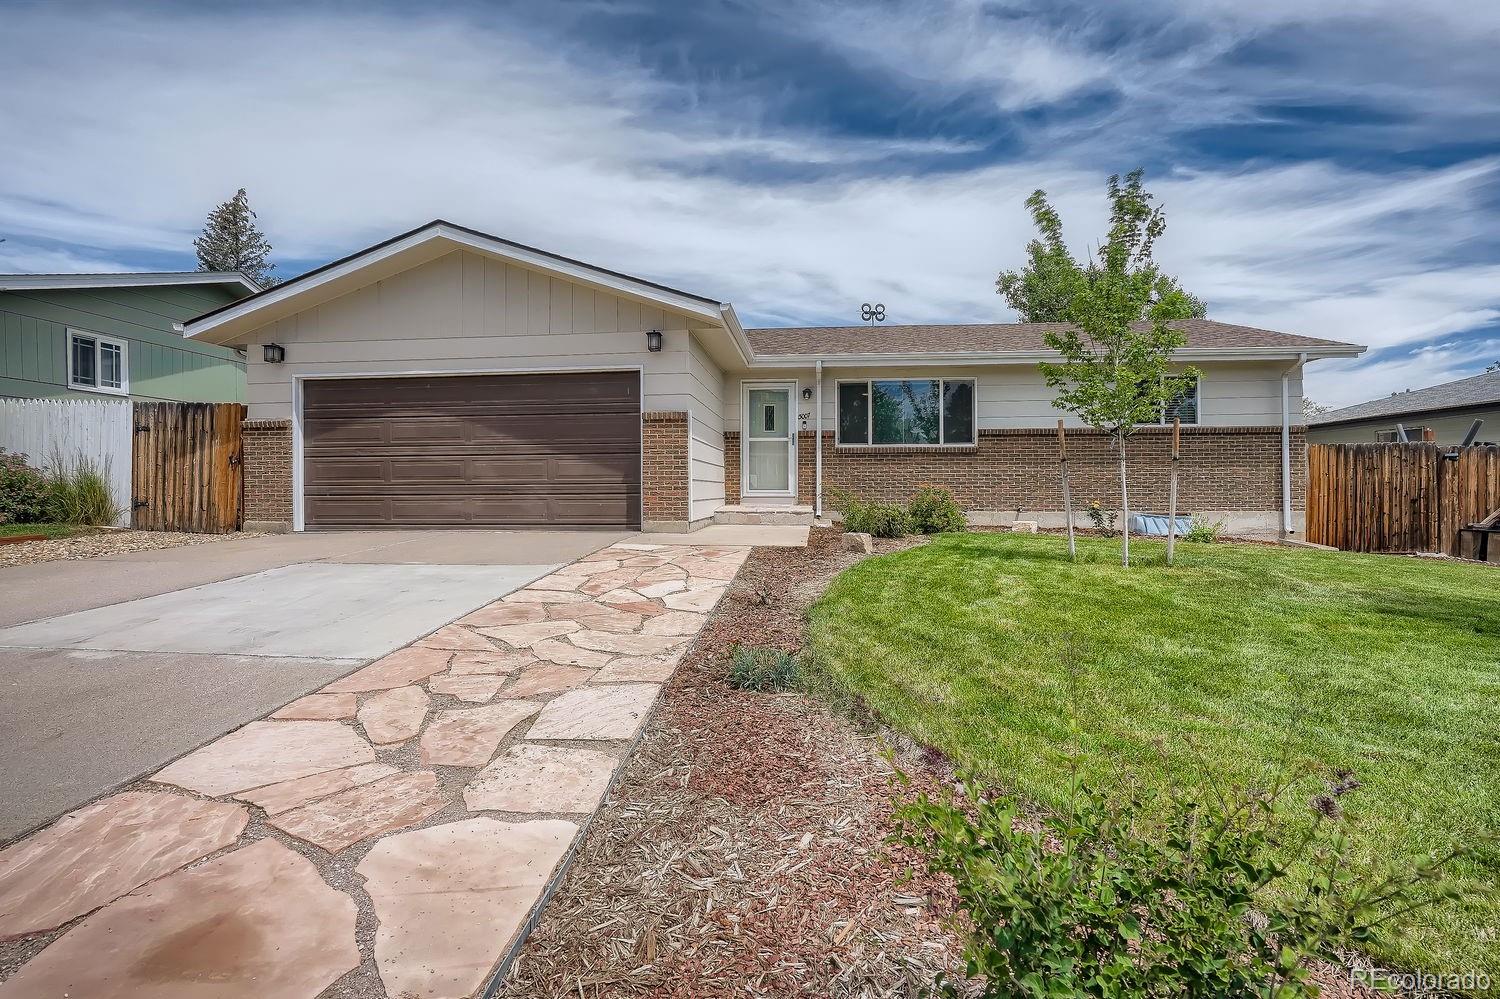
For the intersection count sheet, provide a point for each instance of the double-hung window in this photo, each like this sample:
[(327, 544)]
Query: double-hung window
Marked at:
[(1182, 404), (97, 363), (906, 411)]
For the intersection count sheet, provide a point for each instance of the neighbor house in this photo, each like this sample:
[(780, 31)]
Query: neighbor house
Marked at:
[(114, 335), (1447, 411), (446, 377)]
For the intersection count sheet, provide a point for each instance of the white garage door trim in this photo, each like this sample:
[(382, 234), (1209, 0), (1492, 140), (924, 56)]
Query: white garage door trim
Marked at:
[(298, 523)]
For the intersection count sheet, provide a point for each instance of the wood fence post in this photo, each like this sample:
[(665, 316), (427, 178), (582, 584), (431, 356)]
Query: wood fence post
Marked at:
[(1062, 452), (1172, 489)]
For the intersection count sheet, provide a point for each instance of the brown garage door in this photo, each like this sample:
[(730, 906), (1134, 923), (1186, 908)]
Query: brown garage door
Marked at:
[(473, 450)]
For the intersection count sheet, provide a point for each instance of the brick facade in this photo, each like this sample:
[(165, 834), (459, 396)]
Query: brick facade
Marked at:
[(1222, 469), (664, 469), (267, 448)]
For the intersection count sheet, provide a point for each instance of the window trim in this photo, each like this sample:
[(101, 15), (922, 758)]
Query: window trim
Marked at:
[(99, 340), (973, 381), (1197, 420)]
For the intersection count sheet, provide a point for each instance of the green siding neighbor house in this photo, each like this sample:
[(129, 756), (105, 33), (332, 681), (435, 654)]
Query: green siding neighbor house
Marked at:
[(102, 335)]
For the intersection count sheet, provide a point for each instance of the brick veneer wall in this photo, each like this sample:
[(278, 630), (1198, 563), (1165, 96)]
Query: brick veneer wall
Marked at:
[(664, 468), (1222, 469), (267, 450)]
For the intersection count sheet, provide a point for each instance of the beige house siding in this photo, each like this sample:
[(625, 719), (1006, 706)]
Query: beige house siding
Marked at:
[(1014, 397), (466, 312), (705, 435)]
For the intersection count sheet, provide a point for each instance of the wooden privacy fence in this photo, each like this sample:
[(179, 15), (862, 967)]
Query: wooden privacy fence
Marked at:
[(1398, 497), (186, 469)]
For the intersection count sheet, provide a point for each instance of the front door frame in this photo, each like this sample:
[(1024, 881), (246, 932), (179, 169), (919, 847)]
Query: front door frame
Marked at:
[(790, 385)]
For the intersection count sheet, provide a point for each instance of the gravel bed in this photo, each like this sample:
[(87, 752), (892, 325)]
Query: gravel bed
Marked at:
[(743, 852), (106, 542)]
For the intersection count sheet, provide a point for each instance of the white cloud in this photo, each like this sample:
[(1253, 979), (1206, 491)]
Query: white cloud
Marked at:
[(347, 128)]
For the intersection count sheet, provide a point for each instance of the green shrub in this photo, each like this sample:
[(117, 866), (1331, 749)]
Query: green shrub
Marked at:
[(934, 510), (1104, 519), (759, 668), (1121, 897), (23, 490), (79, 493), (879, 520), (1204, 530)]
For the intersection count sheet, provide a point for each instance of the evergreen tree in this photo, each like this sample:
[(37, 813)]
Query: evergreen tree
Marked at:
[(231, 241)]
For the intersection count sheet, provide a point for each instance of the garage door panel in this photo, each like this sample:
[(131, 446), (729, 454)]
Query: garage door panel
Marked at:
[(488, 450)]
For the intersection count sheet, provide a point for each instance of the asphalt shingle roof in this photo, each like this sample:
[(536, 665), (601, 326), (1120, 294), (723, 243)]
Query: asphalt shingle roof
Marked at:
[(1480, 390), (985, 337)]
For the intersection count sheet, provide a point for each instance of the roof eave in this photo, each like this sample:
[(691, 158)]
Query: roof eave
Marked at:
[(1035, 356), (79, 282)]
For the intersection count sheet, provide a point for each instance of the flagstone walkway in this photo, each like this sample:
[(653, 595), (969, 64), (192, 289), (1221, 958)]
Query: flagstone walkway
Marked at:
[(387, 835)]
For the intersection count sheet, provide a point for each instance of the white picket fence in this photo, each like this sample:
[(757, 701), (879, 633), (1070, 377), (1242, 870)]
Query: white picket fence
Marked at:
[(97, 429)]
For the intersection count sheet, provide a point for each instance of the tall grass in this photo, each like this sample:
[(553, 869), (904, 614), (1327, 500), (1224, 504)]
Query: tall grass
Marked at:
[(78, 492)]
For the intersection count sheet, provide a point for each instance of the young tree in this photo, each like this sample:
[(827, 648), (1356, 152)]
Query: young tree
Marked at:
[(1041, 291), (1119, 338), (231, 241)]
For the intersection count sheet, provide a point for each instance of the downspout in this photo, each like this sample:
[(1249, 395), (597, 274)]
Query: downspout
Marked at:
[(818, 440), (1286, 447)]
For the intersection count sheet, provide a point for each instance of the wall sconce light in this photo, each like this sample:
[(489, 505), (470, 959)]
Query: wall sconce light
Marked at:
[(653, 341), (807, 395), (273, 353)]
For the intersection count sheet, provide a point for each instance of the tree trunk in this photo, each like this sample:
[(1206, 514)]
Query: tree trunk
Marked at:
[(1124, 510)]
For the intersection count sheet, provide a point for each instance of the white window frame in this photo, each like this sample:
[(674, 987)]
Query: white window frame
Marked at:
[(99, 339), (870, 409), (1161, 417)]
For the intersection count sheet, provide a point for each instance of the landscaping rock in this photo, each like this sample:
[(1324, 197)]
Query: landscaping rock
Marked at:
[(859, 542), (1023, 527)]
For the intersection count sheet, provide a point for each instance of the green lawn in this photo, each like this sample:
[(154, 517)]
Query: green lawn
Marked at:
[(49, 530), (1387, 666)]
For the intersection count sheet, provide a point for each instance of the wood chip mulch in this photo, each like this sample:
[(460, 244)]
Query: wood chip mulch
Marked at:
[(104, 543), (744, 850)]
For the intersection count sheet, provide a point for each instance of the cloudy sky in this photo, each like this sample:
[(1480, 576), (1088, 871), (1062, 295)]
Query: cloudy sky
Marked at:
[(1329, 168)]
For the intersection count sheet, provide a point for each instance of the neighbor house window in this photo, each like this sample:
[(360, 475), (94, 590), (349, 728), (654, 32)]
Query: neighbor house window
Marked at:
[(96, 363), (912, 411)]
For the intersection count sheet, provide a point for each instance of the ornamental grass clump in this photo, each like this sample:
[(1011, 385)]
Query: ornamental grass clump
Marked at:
[(1117, 895), (761, 668), (78, 492)]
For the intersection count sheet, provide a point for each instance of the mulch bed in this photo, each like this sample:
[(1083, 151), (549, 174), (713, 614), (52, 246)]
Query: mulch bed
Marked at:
[(744, 850)]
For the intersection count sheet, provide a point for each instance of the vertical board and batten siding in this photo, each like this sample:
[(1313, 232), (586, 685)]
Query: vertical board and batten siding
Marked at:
[(1398, 497), (1015, 396), (72, 429), (468, 312), (187, 471), (161, 365)]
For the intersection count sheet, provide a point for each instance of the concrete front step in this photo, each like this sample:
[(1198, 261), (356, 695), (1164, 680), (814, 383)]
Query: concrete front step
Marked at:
[(787, 516)]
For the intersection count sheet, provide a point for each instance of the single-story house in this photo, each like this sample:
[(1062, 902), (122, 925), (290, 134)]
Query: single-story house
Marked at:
[(1447, 411), (447, 377), (117, 335)]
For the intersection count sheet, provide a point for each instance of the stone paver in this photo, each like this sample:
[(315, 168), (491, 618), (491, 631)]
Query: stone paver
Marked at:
[(281, 797), (476, 687), (319, 707), (468, 737), (610, 712), (578, 655), (267, 752), (444, 925), (529, 778), (547, 678), (455, 638), (343, 819), (412, 664), (254, 923), (91, 857), (394, 715), (490, 662)]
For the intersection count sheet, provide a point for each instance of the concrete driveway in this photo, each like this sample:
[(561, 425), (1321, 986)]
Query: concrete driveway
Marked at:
[(111, 667)]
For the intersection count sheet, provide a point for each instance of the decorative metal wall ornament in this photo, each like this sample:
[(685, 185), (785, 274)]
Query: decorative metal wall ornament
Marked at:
[(872, 314)]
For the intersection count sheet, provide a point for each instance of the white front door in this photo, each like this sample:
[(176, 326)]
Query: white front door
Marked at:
[(769, 453)]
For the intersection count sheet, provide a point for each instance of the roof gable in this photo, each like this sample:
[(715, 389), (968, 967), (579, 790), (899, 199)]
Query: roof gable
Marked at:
[(422, 245)]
